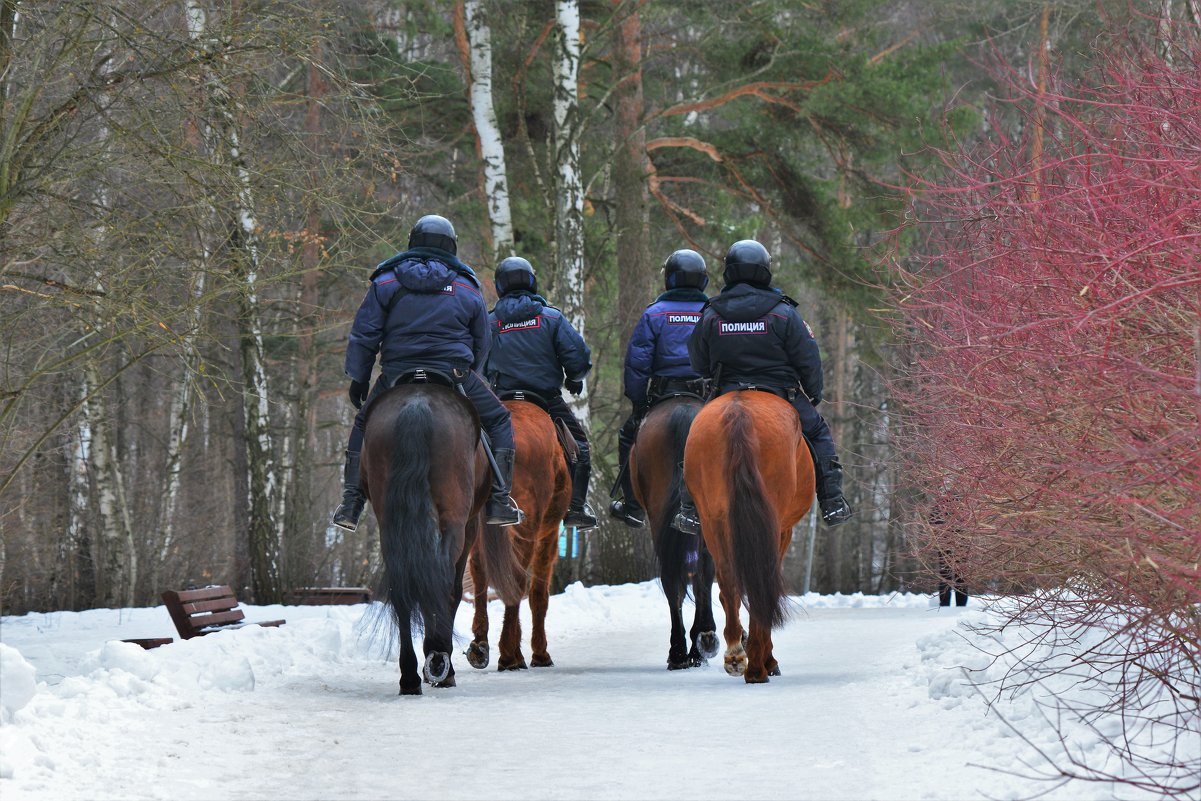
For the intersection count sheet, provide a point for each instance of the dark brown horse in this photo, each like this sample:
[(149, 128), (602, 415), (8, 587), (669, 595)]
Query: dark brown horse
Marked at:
[(750, 474), (542, 488), (684, 563), (427, 477)]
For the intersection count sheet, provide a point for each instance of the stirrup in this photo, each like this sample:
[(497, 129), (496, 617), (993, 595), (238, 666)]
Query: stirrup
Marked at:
[(346, 517), (835, 511), (686, 521), (581, 518), (632, 516), (503, 513)]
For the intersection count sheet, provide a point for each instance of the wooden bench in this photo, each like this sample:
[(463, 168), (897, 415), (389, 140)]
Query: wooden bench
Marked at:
[(150, 642), (316, 596), (199, 612)]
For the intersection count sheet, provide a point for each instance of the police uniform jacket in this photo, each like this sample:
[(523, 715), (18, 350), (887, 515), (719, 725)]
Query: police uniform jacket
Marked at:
[(534, 346), (423, 309), (758, 337), (659, 344)]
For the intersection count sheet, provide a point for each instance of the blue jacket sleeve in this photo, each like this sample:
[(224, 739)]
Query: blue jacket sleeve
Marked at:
[(481, 336), (366, 334), (574, 354), (640, 358), (805, 356), (698, 346)]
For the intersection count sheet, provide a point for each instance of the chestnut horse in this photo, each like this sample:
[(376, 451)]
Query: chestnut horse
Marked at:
[(542, 488), (684, 563), (426, 474), (751, 476)]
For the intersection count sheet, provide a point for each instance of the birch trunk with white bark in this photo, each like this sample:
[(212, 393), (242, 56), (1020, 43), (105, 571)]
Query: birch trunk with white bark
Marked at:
[(492, 150), (263, 532), (569, 197)]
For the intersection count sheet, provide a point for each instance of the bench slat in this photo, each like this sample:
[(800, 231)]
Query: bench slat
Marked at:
[(203, 611)]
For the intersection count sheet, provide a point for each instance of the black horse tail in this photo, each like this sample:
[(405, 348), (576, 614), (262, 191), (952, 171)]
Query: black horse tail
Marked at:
[(671, 546), (505, 573), (754, 538), (417, 566)]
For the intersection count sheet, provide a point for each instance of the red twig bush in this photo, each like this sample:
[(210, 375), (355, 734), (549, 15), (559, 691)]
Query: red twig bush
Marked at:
[(1054, 391)]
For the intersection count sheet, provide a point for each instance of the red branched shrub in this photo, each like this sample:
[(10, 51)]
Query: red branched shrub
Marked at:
[(1054, 394)]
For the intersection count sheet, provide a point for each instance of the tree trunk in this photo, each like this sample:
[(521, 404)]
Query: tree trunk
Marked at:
[(631, 198), (569, 197), (492, 151), (263, 535)]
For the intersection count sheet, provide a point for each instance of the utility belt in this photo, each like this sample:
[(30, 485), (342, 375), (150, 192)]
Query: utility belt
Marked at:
[(662, 387), (453, 377), (789, 394)]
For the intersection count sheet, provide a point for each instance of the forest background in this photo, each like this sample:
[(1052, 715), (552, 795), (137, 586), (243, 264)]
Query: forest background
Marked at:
[(193, 195)]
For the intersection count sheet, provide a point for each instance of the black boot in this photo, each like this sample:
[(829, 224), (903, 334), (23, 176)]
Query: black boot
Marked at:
[(500, 509), (686, 521), (580, 513), (835, 509), (627, 508), (347, 515)]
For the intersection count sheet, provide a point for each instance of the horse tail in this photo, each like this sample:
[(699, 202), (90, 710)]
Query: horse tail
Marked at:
[(504, 572), (671, 546), (417, 566), (754, 538)]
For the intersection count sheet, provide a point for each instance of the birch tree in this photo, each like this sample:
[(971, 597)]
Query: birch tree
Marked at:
[(492, 151), (569, 197)]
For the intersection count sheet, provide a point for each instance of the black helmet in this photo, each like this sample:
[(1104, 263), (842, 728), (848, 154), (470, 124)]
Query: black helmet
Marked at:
[(432, 231), (515, 273), (685, 268), (748, 261)]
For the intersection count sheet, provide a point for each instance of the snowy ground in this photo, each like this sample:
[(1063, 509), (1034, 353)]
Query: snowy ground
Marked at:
[(873, 704)]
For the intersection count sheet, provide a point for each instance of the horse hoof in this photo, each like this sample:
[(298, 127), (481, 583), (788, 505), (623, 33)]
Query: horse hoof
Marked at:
[(695, 659), (683, 665), (477, 655), (518, 665), (756, 679), (708, 644), (775, 671), (538, 661), (449, 681), (736, 664), (437, 667), (410, 690)]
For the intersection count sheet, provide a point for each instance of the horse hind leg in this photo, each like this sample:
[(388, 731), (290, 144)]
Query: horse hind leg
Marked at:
[(704, 630), (510, 641), (735, 659), (477, 652), (410, 681), (677, 657), (543, 566)]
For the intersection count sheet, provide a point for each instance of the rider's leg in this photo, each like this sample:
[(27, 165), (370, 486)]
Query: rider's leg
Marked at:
[(686, 520), (346, 516), (494, 417), (826, 467), (627, 509), (579, 514)]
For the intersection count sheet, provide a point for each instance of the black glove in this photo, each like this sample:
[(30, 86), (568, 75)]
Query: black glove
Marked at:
[(358, 393), (574, 386)]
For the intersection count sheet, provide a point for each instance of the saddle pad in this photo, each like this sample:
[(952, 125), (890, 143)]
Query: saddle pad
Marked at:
[(570, 447)]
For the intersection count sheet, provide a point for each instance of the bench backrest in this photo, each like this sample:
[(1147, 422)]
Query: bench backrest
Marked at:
[(331, 595), (195, 612)]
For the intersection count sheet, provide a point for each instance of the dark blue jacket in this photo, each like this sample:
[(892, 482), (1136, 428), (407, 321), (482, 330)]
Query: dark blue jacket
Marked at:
[(758, 337), (423, 309), (659, 344), (534, 346)]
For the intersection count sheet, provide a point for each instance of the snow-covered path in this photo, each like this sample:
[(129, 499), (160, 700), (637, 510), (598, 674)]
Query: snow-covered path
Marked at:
[(871, 705)]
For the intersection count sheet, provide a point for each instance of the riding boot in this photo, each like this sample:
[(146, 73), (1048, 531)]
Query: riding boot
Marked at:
[(347, 515), (580, 513), (686, 521), (834, 506), (501, 509), (626, 509)]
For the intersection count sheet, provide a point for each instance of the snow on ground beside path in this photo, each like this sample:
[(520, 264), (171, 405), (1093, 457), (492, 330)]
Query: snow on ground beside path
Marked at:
[(873, 704)]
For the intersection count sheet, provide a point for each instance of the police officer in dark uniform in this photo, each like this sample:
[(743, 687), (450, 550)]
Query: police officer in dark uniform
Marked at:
[(424, 309), (535, 348), (658, 349), (752, 334)]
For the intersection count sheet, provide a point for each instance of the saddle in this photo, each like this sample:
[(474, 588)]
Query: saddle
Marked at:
[(787, 393), (662, 388), (571, 448)]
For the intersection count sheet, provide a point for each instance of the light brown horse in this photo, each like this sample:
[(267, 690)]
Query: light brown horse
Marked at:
[(684, 562), (542, 488), (751, 477)]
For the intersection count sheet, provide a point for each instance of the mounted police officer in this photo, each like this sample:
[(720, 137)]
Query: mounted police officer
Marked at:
[(424, 309), (752, 335), (535, 348), (658, 356)]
